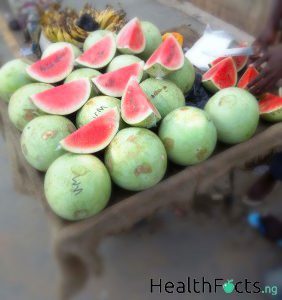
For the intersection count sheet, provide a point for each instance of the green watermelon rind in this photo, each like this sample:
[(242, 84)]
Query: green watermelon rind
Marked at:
[(153, 39), (147, 121), (272, 116), (86, 114), (183, 78), (94, 36), (272, 113)]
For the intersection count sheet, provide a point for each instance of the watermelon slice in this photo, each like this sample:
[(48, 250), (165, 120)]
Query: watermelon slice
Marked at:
[(167, 58), (220, 76), (131, 39), (54, 67), (94, 136), (136, 108), (63, 99), (240, 61), (250, 74), (270, 107), (114, 83), (99, 54)]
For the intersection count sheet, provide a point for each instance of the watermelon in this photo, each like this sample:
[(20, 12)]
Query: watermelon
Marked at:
[(270, 107), (94, 136), (136, 159), (40, 140), (94, 108), (250, 74), (131, 39), (99, 54), (188, 135), (124, 60), (114, 83), (184, 78), (121, 61), (12, 77), (165, 95), (63, 99), (77, 186), (167, 58), (136, 108), (240, 61), (94, 37), (153, 39), (235, 114), (84, 73), (220, 76), (21, 110), (53, 47), (54, 67)]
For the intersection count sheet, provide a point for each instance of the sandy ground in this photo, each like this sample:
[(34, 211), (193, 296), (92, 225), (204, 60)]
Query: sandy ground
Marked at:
[(195, 246)]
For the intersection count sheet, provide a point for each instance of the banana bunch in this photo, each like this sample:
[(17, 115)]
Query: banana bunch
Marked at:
[(108, 19), (62, 24)]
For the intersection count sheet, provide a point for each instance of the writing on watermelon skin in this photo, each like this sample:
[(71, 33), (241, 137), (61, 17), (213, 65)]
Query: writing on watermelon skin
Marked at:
[(99, 110), (76, 186)]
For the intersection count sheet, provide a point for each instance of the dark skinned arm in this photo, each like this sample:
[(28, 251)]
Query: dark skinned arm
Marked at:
[(267, 58)]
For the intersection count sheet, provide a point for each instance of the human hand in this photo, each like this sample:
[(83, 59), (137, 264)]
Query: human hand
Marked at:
[(270, 66), (266, 38)]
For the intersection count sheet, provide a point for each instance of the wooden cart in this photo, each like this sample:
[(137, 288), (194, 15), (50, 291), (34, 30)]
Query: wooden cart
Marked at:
[(76, 243)]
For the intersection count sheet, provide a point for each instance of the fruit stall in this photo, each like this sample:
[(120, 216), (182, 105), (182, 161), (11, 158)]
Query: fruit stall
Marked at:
[(105, 131)]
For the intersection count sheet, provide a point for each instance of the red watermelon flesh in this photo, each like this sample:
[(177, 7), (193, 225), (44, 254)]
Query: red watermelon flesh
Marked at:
[(114, 83), (270, 102), (168, 57), (270, 107), (99, 54), (250, 74), (53, 68), (63, 99), (136, 108), (220, 76), (94, 136), (240, 61), (131, 38)]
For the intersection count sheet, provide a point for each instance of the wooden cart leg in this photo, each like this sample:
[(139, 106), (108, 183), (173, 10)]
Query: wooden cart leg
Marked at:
[(77, 261), (230, 197)]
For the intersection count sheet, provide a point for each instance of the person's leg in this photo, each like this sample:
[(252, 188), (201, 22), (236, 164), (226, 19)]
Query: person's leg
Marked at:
[(268, 225), (265, 183), (276, 166)]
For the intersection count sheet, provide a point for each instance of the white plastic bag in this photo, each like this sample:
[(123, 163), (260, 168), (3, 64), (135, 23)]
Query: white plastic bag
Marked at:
[(211, 39)]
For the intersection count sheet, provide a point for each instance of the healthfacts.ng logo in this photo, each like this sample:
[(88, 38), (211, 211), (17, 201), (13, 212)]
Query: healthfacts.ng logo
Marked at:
[(204, 286), (229, 286)]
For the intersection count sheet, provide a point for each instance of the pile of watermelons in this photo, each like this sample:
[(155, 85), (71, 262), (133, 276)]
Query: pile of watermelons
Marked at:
[(71, 105)]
